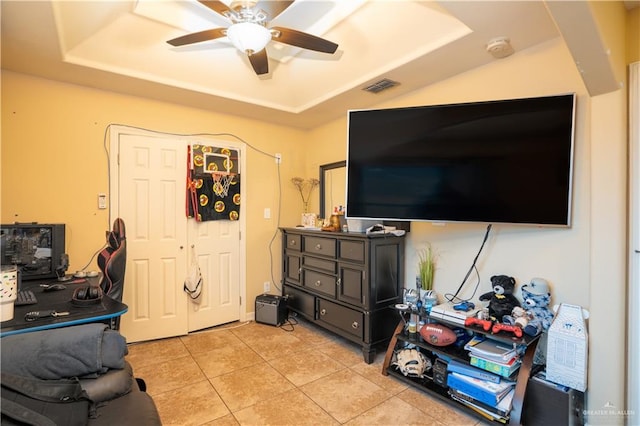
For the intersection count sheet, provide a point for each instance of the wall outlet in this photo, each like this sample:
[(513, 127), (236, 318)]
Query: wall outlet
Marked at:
[(278, 158), (267, 287)]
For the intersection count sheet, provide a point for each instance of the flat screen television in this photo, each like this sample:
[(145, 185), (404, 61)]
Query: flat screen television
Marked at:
[(37, 249), (503, 161)]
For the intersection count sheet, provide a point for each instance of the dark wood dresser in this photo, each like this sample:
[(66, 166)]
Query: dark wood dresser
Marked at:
[(345, 282)]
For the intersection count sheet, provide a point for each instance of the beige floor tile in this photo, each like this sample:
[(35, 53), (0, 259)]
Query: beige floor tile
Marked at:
[(155, 352), (436, 409), (209, 340), (194, 404), (343, 351), (289, 408), (270, 342), (260, 375), (311, 334), (243, 388), (254, 331), (373, 372), (170, 375), (228, 420), (393, 411), (345, 394), (226, 359), (305, 366)]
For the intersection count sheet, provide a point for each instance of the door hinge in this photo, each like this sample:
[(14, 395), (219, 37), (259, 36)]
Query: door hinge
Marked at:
[(240, 297)]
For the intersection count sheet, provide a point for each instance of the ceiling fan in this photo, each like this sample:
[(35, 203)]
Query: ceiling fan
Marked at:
[(249, 33)]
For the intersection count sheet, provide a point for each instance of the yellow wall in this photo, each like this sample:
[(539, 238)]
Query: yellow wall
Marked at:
[(54, 163), (633, 35)]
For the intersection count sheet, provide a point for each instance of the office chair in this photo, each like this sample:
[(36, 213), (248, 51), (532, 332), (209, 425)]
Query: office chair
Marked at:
[(112, 262)]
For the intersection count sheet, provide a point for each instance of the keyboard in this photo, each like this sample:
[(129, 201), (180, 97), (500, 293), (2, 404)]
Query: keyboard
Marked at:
[(25, 297)]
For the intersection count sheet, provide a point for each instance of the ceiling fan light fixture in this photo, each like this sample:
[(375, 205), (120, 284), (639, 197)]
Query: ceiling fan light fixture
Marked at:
[(249, 37)]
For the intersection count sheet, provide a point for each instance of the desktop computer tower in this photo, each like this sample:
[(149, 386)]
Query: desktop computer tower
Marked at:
[(549, 404), (271, 309)]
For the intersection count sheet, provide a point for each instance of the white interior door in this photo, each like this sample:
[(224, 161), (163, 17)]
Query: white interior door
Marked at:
[(151, 179), (216, 245), (149, 194)]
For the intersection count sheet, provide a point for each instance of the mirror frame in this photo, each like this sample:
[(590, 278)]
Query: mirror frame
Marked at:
[(323, 169)]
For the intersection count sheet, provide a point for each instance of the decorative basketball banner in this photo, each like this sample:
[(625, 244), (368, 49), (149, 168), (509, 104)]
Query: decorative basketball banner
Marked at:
[(213, 183)]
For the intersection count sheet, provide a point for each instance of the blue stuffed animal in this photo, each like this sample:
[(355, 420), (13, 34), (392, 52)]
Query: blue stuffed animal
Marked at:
[(537, 298)]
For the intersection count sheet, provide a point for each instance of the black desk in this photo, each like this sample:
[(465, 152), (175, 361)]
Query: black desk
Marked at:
[(60, 301)]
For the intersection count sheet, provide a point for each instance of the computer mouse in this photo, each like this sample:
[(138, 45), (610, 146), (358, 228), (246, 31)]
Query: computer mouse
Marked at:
[(55, 287)]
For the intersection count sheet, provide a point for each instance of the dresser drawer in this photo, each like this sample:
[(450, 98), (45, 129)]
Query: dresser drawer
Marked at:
[(352, 250), (300, 301), (347, 320), (319, 245), (322, 283), (324, 264), (294, 242)]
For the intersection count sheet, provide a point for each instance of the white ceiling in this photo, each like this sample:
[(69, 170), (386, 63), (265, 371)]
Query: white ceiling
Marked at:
[(121, 46)]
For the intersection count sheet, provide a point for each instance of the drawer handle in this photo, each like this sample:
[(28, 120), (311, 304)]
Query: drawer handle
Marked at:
[(292, 242), (339, 282), (355, 325), (318, 246), (318, 283), (323, 312)]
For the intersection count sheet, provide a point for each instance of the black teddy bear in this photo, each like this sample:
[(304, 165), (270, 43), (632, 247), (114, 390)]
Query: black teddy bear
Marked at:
[(501, 299)]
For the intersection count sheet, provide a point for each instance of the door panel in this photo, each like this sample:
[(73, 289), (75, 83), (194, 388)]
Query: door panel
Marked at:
[(352, 285), (216, 245), (151, 179)]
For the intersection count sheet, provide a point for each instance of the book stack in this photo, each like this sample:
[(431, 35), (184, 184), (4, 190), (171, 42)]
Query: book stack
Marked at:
[(493, 356), (486, 393)]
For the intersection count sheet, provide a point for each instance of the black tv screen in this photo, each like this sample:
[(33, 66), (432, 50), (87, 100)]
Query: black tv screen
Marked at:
[(505, 161)]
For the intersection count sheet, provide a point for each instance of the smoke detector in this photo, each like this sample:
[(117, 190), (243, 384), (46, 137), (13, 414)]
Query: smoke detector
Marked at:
[(500, 47)]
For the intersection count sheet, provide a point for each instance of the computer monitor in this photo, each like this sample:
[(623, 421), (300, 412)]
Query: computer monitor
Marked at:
[(37, 249)]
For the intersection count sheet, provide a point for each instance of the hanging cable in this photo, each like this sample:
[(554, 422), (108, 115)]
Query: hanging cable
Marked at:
[(454, 297)]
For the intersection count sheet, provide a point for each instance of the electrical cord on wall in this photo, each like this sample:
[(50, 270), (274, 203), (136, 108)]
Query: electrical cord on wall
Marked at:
[(275, 232), (454, 297), (108, 128)]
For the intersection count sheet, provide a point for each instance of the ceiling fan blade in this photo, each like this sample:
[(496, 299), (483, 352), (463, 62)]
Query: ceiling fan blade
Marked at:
[(216, 6), (205, 35), (260, 62), (273, 8), (304, 40)]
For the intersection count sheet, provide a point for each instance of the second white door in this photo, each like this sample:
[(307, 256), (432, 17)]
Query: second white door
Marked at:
[(161, 241)]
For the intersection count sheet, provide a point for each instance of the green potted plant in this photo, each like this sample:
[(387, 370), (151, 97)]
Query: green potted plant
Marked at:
[(426, 272)]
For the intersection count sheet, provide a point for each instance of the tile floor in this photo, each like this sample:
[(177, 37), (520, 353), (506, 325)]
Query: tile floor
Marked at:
[(256, 374)]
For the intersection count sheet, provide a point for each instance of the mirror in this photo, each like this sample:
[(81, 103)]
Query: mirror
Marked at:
[(333, 187)]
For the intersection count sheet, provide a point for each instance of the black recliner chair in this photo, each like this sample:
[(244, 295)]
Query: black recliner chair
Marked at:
[(112, 262)]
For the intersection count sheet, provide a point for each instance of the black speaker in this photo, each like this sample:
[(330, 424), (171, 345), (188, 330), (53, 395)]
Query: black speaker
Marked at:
[(271, 309)]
